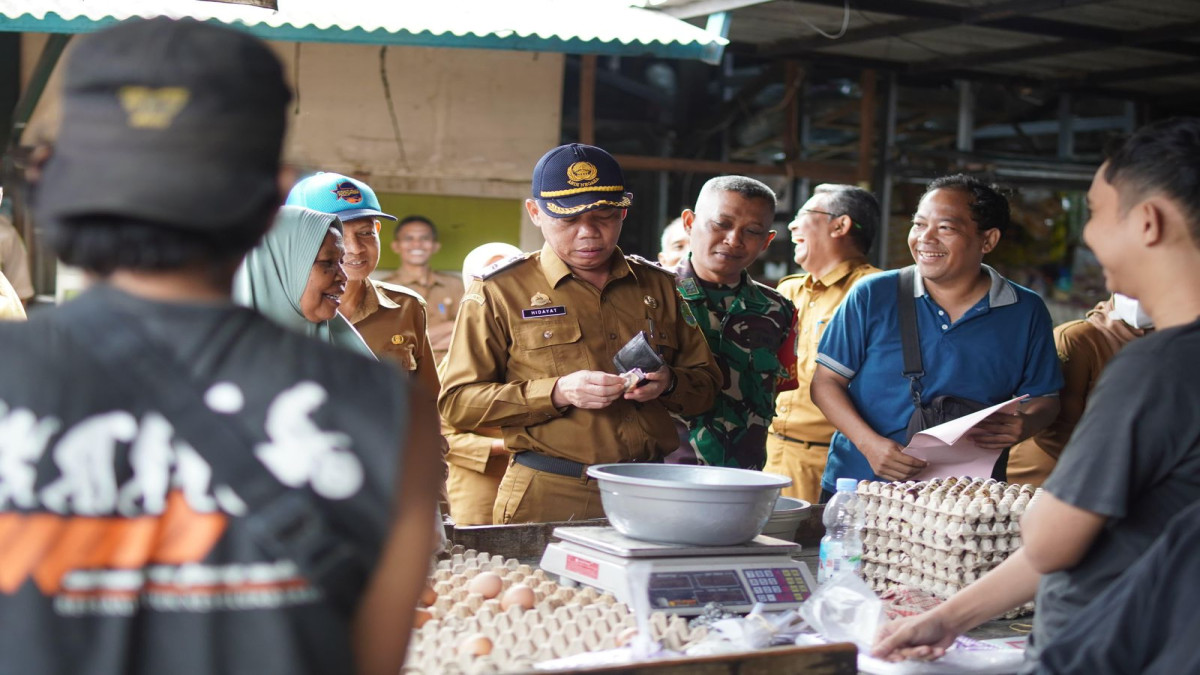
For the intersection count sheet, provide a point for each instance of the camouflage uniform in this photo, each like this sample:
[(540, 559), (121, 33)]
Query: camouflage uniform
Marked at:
[(751, 330)]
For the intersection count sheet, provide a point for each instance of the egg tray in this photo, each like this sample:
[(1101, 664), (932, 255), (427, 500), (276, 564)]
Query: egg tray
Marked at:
[(917, 555), (954, 525), (883, 578), (967, 502), (907, 540), (562, 622)]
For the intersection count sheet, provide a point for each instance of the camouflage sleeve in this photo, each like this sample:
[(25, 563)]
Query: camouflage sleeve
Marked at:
[(697, 376), (789, 378)]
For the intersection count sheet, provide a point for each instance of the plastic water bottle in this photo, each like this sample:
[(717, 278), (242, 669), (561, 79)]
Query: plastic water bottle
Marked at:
[(841, 547)]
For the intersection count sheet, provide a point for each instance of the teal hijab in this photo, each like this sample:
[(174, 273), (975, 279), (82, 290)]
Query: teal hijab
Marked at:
[(273, 276)]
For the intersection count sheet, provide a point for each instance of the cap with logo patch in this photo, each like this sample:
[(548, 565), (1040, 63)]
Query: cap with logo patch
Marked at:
[(175, 122), (575, 178), (338, 194)]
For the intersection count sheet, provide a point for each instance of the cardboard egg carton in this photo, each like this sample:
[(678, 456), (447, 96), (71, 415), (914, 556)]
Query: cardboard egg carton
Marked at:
[(987, 554), (562, 622), (960, 500), (941, 535)]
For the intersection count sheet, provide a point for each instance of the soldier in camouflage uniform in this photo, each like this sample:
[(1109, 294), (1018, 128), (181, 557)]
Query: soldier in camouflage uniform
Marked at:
[(750, 327)]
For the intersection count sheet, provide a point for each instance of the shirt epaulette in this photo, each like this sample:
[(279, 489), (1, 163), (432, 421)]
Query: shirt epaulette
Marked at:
[(497, 267), (644, 262), (396, 289), (772, 293)]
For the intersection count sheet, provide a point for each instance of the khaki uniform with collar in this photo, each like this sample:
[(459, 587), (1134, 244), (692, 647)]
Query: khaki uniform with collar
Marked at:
[(474, 472), (798, 444), (391, 320), (531, 322), (442, 292)]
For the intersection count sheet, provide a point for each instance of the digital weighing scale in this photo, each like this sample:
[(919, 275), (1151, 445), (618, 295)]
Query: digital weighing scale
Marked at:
[(682, 579)]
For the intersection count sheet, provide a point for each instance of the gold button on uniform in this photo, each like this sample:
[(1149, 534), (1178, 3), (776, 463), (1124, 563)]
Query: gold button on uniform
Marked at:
[(397, 339)]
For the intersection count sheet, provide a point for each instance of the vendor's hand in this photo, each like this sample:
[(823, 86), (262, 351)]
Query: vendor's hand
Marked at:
[(923, 637), (888, 460), (999, 430), (591, 389), (656, 383)]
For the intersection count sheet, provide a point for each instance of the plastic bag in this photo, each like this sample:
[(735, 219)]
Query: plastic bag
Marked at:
[(845, 609)]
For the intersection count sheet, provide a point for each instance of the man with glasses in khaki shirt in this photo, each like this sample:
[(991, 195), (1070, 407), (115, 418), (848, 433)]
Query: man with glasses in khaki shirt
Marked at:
[(534, 340), (832, 232)]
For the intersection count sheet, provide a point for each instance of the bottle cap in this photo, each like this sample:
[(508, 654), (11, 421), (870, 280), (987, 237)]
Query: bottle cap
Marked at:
[(847, 485)]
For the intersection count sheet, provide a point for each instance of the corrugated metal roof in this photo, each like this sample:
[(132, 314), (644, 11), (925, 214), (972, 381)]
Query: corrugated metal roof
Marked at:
[(1110, 46), (596, 27)]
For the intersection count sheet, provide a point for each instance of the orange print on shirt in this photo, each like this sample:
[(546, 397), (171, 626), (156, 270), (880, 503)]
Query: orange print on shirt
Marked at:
[(48, 546)]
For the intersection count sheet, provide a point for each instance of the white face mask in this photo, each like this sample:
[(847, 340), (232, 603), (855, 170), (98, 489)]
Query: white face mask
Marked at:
[(1130, 311)]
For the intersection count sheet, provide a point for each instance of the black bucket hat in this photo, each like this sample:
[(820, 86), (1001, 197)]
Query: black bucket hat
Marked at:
[(176, 122)]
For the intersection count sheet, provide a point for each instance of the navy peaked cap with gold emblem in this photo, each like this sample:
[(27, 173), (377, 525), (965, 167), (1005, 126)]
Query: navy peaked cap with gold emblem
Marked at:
[(575, 178), (174, 122)]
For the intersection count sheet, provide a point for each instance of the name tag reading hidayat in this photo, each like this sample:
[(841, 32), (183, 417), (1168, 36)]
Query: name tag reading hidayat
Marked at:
[(539, 312)]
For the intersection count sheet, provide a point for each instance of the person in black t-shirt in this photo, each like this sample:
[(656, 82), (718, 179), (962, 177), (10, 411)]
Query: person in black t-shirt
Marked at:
[(187, 487), (1134, 459), (1145, 623)]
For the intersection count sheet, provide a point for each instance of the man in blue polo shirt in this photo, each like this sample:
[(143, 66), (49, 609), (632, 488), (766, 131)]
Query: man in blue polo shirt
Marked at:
[(982, 338)]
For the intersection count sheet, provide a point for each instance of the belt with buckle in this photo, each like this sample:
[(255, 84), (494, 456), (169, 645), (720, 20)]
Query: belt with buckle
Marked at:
[(548, 464), (799, 440)]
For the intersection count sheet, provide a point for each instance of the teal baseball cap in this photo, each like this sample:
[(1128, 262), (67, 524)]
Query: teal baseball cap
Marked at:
[(337, 194)]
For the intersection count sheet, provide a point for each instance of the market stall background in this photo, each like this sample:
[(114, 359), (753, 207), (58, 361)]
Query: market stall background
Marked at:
[(446, 105)]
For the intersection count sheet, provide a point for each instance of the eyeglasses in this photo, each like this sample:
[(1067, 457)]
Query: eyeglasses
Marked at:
[(824, 213), (831, 215)]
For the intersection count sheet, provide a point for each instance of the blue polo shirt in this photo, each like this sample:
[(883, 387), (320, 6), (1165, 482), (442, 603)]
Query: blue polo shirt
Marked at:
[(1000, 348)]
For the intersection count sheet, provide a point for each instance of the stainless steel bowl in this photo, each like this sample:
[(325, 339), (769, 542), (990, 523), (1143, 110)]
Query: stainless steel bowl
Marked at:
[(682, 504), (786, 518)]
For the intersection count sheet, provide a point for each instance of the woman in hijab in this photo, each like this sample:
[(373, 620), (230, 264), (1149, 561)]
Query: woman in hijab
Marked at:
[(294, 276)]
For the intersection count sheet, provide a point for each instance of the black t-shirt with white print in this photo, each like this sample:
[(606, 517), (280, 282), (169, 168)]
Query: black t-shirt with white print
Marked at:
[(122, 552)]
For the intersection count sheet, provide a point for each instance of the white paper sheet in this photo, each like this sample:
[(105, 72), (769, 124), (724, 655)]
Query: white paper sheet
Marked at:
[(951, 452)]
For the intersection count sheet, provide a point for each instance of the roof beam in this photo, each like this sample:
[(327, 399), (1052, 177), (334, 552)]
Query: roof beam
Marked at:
[(706, 7), (1145, 72), (1075, 85), (1012, 15), (1138, 39), (872, 32), (1100, 37), (932, 10)]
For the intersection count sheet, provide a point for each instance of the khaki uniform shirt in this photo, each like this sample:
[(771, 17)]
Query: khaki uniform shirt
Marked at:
[(391, 320), (442, 292), (816, 300), (1084, 348), (531, 322)]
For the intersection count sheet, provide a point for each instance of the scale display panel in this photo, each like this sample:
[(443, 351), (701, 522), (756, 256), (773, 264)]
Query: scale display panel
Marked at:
[(677, 590)]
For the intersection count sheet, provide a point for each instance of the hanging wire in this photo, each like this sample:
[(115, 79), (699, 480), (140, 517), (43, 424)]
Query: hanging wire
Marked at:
[(840, 33), (387, 94)]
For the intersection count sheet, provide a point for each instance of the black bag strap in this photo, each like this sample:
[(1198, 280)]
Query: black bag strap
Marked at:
[(283, 521), (910, 339)]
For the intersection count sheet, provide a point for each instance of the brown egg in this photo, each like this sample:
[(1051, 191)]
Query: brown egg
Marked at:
[(428, 596), (486, 584), (423, 616), (519, 595), (477, 644), (626, 636)]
